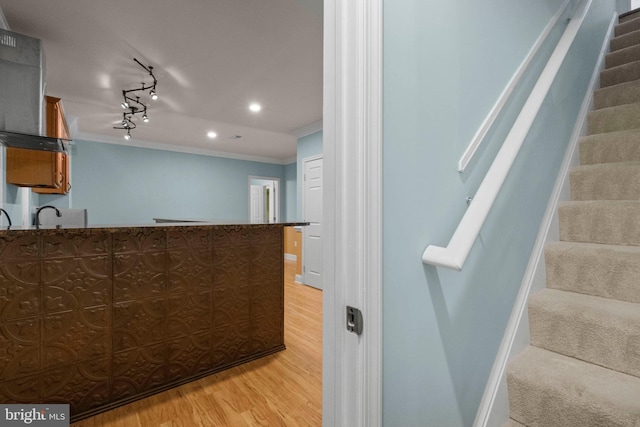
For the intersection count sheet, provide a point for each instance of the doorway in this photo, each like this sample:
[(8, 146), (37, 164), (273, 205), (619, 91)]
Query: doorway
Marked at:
[(312, 213), (264, 199)]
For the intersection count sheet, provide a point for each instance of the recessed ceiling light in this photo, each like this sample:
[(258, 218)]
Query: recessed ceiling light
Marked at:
[(212, 134), (255, 107)]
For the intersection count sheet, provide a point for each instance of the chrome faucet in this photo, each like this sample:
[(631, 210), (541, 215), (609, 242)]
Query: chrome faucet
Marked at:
[(8, 217), (58, 214)]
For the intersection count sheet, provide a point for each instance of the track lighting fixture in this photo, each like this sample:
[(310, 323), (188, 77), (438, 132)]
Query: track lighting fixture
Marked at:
[(133, 106)]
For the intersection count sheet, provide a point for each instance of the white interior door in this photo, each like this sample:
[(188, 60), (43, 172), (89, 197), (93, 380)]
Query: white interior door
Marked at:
[(312, 213), (257, 203)]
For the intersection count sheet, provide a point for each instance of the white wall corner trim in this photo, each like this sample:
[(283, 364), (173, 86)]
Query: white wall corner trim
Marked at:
[(455, 253), (478, 138), (307, 130), (494, 406), (352, 122)]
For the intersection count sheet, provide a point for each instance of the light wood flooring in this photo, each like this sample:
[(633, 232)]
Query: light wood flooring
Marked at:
[(283, 389)]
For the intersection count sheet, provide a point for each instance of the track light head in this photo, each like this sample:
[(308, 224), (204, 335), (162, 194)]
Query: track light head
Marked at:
[(133, 105)]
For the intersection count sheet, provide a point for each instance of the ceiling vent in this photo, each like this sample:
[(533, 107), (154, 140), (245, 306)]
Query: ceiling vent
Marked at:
[(7, 40)]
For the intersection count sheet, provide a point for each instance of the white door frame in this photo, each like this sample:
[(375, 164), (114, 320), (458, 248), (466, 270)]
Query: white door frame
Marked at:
[(276, 183), (352, 212)]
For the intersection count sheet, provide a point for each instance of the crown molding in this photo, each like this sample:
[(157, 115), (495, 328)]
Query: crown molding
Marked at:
[(307, 130), (290, 160), (139, 143)]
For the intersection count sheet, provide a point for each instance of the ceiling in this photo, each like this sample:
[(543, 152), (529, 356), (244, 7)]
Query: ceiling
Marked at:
[(211, 59)]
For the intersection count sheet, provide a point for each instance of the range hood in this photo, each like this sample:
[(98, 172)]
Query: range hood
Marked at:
[(22, 84), (32, 142)]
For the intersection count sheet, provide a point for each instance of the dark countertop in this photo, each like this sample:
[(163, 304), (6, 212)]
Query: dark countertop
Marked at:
[(166, 223)]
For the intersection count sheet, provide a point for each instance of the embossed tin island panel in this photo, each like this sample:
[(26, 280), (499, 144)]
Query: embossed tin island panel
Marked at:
[(99, 317)]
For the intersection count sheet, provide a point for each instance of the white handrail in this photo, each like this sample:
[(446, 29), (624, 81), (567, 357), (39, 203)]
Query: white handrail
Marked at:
[(455, 254), (478, 138)]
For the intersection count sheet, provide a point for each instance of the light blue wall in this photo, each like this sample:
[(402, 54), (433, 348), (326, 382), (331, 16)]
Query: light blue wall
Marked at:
[(120, 184), (445, 65), (310, 145), (291, 190)]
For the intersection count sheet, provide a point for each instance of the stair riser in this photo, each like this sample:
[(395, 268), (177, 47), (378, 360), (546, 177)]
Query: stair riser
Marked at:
[(620, 74), (611, 224), (620, 148), (606, 182), (587, 333), (629, 17), (602, 271), (552, 407), (626, 93), (626, 40), (563, 392), (614, 119), (627, 27), (622, 56)]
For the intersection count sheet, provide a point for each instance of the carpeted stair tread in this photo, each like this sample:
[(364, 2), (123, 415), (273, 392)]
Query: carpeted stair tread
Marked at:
[(612, 119), (625, 40), (627, 27), (618, 94), (612, 147), (607, 271), (602, 331), (620, 74), (606, 181), (614, 222), (551, 390), (622, 56)]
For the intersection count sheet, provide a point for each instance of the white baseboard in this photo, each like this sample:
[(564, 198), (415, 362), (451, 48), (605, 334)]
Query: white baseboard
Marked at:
[(290, 257), (299, 278), (494, 406)]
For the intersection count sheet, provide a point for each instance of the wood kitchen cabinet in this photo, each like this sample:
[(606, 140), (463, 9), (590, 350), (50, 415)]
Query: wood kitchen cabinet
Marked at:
[(56, 121), (45, 171), (34, 168), (57, 128)]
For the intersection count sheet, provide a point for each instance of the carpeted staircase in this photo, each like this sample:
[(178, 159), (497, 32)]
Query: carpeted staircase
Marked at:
[(583, 365)]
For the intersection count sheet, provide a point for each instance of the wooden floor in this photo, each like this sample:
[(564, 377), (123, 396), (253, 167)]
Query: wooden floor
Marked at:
[(284, 389)]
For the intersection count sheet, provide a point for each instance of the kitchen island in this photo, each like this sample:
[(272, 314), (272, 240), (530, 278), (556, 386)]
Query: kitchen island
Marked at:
[(100, 316)]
